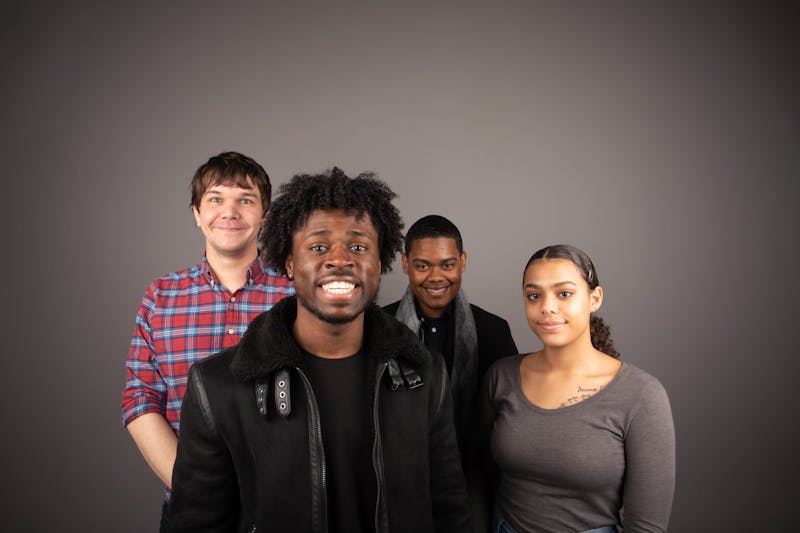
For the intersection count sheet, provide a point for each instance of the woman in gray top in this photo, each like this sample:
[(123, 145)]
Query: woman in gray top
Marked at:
[(582, 441)]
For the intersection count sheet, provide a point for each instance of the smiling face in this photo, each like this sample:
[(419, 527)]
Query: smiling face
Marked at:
[(558, 302), (434, 269), (336, 266), (230, 218)]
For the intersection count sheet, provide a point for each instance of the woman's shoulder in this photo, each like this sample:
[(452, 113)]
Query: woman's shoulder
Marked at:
[(506, 365), (635, 375), (504, 372), (640, 386)]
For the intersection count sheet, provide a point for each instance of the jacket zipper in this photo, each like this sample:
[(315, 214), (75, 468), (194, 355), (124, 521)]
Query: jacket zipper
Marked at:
[(377, 451), (316, 434)]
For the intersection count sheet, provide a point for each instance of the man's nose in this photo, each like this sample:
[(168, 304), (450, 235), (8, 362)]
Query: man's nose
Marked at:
[(230, 210), (436, 273), (339, 256)]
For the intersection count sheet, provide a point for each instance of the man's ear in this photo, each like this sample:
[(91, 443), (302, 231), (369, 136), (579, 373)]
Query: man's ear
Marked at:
[(463, 261), (405, 263), (596, 298), (289, 266), (196, 214)]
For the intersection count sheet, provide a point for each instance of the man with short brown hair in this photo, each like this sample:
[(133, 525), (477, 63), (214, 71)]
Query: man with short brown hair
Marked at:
[(188, 315)]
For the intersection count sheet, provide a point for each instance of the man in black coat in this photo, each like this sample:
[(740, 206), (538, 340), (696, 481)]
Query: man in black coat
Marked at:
[(329, 415), (436, 308)]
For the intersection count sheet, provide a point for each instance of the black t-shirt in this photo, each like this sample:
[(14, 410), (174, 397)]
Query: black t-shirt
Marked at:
[(342, 390)]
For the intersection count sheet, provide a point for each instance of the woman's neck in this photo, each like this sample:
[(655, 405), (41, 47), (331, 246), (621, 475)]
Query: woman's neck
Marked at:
[(574, 358)]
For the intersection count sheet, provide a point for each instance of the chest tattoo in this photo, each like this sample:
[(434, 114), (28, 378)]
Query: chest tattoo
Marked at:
[(580, 395)]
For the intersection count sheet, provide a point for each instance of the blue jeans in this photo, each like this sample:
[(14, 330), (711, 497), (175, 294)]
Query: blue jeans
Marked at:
[(499, 525), (164, 526)]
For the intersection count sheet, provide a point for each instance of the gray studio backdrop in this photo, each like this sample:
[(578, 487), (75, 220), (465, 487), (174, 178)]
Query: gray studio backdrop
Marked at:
[(663, 138)]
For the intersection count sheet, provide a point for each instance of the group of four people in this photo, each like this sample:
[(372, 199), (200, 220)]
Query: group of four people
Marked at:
[(323, 412)]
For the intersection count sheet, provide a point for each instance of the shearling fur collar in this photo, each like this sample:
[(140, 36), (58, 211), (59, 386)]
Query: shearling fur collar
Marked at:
[(268, 343)]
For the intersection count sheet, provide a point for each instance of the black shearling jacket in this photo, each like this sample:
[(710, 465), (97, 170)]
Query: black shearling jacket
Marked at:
[(250, 459)]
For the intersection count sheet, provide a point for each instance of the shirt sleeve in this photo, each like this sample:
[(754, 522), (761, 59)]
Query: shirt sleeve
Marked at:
[(649, 464), (145, 390)]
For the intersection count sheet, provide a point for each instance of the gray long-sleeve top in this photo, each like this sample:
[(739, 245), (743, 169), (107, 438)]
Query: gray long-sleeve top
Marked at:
[(574, 468)]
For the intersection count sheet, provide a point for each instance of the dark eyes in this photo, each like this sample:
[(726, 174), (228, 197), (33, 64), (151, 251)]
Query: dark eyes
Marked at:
[(420, 267), (321, 248), (561, 294)]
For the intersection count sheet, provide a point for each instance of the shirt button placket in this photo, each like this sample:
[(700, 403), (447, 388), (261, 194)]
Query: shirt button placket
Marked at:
[(231, 322)]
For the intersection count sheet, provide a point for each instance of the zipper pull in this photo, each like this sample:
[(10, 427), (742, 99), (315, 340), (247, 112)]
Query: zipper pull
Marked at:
[(261, 398), (395, 379)]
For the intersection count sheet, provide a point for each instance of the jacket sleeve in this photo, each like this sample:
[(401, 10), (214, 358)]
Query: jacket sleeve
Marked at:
[(649, 464), (507, 346), (484, 477), (448, 490), (494, 339), (205, 497)]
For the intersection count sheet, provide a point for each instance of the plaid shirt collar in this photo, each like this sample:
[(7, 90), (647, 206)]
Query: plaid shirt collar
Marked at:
[(256, 269)]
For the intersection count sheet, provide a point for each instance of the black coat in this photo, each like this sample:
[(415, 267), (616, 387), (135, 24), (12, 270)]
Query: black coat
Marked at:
[(494, 336), (243, 466)]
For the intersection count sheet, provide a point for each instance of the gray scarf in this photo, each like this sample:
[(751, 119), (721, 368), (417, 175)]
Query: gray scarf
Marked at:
[(464, 378)]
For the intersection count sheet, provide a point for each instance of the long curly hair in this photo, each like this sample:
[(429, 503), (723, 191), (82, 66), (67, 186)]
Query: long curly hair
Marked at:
[(599, 330), (306, 193)]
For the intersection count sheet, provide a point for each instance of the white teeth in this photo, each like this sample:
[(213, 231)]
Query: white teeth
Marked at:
[(338, 287), (439, 290)]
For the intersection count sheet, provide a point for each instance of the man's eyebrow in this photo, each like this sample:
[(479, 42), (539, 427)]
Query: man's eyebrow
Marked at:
[(559, 284), (441, 262), (244, 192)]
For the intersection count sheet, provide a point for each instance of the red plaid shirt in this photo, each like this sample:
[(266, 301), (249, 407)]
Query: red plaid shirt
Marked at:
[(184, 317)]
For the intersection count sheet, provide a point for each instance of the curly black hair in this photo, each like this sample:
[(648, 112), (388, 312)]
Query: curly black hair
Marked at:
[(306, 193)]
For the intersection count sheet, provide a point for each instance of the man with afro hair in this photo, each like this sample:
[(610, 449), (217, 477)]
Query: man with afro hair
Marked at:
[(329, 415)]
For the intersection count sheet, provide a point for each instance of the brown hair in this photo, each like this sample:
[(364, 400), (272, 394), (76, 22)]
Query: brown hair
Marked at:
[(233, 169)]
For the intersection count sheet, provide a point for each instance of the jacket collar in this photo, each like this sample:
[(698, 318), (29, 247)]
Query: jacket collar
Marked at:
[(269, 345)]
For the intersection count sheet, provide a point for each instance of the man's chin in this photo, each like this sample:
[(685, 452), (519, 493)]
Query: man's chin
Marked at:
[(333, 318), (337, 320), (436, 305)]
